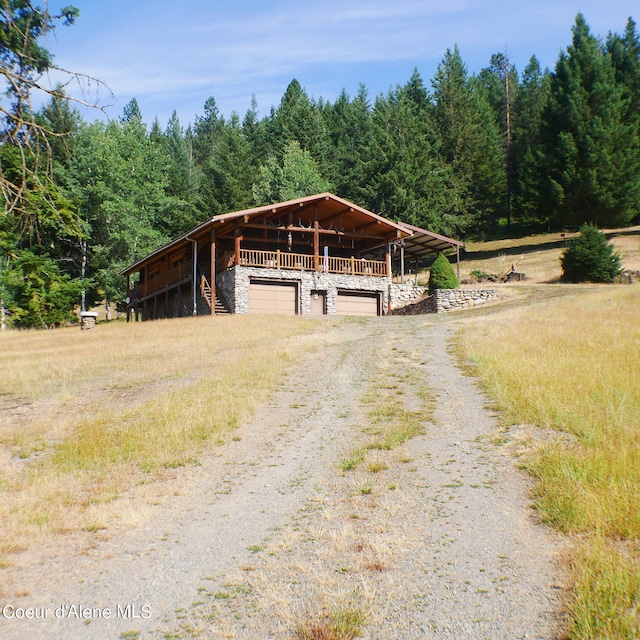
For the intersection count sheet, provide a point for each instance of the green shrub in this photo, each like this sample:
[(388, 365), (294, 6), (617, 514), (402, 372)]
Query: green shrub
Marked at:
[(442, 275), (590, 258)]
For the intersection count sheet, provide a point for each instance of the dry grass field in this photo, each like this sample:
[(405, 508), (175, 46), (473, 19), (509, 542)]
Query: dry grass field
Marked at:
[(568, 363), (90, 414)]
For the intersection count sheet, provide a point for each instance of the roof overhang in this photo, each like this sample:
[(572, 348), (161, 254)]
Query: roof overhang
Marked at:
[(422, 242)]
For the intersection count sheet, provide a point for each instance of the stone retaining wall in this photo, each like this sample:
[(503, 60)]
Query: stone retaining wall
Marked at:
[(452, 299), (443, 300), (402, 295)]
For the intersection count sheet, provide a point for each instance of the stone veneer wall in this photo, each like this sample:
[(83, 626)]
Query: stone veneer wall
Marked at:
[(233, 284), (226, 288)]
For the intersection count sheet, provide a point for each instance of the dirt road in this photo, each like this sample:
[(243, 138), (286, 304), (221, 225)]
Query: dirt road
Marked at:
[(299, 523)]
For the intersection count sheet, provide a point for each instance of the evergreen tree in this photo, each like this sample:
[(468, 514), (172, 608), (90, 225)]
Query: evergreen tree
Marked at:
[(299, 119), (442, 275), (591, 150), (625, 58), (255, 133), (531, 99), (469, 144), (298, 176), (183, 178), (499, 83), (231, 172), (590, 258), (406, 178), (131, 112), (206, 131), (348, 124)]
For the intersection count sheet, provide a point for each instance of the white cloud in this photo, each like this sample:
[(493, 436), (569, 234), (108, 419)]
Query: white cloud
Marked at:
[(157, 53)]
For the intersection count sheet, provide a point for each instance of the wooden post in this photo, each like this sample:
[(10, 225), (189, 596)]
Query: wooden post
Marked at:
[(388, 257), (402, 263), (213, 272), (238, 239), (128, 295), (277, 258), (194, 277), (353, 266), (458, 260), (316, 246)]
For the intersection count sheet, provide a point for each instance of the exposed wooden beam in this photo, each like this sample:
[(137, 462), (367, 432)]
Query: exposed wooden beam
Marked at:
[(337, 215), (335, 232), (367, 224)]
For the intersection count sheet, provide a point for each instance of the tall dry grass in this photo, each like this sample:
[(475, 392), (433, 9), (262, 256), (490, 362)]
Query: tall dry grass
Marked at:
[(573, 365), (90, 414)]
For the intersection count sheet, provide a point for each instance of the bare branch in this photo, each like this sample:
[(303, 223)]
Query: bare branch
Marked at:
[(23, 65)]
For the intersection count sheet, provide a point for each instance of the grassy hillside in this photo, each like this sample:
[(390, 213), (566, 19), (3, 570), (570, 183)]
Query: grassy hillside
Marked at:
[(539, 256)]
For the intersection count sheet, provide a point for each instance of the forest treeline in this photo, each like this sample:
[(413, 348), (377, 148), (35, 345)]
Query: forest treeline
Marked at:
[(466, 155)]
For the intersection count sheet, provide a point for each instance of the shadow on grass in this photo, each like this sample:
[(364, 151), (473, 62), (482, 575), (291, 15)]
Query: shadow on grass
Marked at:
[(561, 243)]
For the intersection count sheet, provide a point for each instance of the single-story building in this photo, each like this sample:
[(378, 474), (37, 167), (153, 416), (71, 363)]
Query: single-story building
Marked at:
[(310, 256)]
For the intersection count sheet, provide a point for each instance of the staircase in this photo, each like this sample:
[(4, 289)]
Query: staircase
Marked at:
[(205, 291), (220, 309)]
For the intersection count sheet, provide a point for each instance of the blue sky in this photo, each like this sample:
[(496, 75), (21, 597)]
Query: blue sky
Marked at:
[(175, 54)]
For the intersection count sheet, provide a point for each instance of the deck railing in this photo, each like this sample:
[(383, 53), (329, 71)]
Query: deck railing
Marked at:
[(305, 262), (276, 259)]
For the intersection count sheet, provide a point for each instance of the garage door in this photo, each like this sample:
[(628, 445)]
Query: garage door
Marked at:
[(357, 304), (273, 297)]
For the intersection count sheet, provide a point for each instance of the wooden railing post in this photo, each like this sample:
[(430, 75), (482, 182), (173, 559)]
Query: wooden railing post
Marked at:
[(278, 258)]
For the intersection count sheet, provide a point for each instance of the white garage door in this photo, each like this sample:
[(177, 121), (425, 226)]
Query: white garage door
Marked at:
[(357, 304), (273, 297)]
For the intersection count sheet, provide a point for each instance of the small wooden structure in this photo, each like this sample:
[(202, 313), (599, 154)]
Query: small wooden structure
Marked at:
[(261, 253)]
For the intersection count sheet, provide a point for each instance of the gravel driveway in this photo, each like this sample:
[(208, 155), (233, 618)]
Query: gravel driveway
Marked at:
[(273, 534)]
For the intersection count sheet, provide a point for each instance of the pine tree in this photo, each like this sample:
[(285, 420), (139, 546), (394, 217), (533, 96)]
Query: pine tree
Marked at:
[(206, 131), (590, 258), (183, 179), (231, 172), (591, 151), (531, 99), (298, 176), (469, 143), (406, 178), (348, 124), (299, 118), (499, 83)]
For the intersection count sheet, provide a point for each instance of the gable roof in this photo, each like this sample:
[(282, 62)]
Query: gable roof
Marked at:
[(331, 211)]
